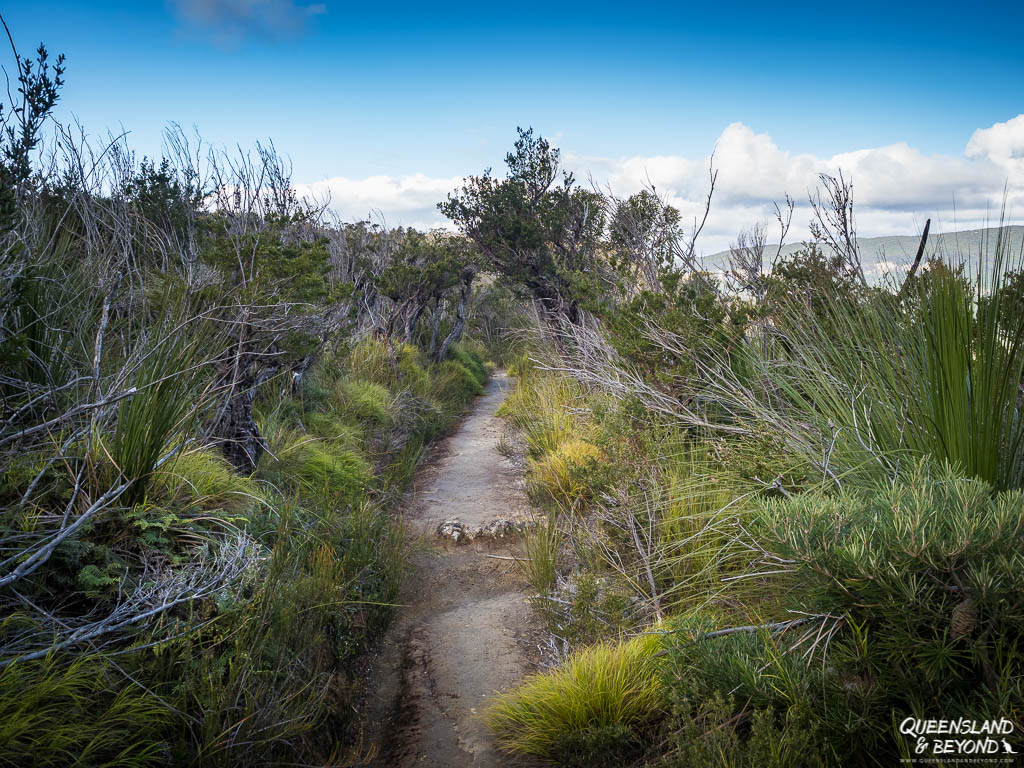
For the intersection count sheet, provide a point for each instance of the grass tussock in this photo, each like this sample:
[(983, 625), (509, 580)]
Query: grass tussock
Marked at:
[(203, 478), (602, 697), (58, 711), (570, 473)]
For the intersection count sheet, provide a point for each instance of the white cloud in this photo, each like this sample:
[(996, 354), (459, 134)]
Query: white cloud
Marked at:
[(409, 201), (1003, 144), (228, 22), (896, 187)]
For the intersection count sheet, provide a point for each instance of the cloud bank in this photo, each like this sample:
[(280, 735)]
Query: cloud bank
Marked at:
[(229, 22), (407, 201), (896, 187)]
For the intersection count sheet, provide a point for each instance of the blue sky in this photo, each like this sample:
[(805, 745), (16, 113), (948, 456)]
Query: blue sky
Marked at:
[(433, 92)]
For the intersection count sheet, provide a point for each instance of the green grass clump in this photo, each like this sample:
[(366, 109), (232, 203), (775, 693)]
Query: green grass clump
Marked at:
[(592, 708), (333, 428), (376, 361), (542, 547), (204, 477), (371, 360), (456, 384), (365, 401), (413, 375), (61, 711), (329, 471), (541, 409), (570, 474), (471, 360), (521, 367), (148, 421), (320, 471)]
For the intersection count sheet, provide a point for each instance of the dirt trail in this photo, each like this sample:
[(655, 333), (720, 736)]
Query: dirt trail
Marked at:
[(466, 629)]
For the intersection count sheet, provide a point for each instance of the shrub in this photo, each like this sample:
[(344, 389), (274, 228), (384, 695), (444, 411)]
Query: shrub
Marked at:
[(932, 568), (911, 592), (590, 709)]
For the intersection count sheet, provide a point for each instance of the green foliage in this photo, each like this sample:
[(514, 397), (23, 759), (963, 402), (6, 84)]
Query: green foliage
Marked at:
[(766, 739), (915, 589), (39, 91), (942, 377), (812, 278), (642, 236), (592, 708), (930, 567), (423, 270), (162, 197), (62, 711), (367, 402), (456, 382), (322, 470), (571, 474), (148, 421), (541, 237), (203, 478), (472, 360), (542, 546), (541, 411), (696, 321)]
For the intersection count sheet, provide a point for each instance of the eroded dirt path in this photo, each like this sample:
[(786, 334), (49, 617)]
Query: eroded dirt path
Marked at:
[(465, 629)]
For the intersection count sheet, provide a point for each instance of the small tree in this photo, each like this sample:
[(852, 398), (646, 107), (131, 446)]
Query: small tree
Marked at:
[(542, 237)]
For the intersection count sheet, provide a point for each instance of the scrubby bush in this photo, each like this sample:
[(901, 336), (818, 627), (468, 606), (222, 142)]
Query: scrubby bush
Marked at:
[(910, 593)]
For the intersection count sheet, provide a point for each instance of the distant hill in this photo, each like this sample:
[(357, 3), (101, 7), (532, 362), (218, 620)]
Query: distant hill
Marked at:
[(885, 254)]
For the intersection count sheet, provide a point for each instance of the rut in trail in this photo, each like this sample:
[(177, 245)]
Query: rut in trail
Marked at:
[(465, 629)]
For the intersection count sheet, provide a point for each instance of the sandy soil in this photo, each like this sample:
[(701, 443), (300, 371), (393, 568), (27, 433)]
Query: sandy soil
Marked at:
[(465, 629)]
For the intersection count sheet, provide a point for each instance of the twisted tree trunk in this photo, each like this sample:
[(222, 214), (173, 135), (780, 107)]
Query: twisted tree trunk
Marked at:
[(460, 318)]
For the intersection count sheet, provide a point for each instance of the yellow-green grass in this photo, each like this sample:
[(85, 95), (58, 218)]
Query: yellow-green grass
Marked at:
[(605, 686), (564, 473)]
